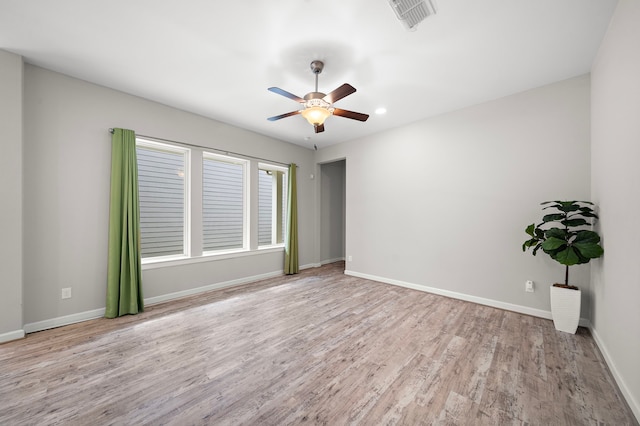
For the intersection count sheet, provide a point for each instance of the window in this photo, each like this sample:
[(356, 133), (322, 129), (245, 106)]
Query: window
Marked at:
[(223, 203), (162, 184), (272, 204), (195, 204)]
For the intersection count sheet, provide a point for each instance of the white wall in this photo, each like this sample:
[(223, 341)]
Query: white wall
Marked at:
[(615, 177), (11, 196), (332, 211), (444, 202), (67, 152)]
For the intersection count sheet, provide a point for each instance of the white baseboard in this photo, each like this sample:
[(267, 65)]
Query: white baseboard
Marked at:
[(64, 320), (631, 400), (12, 335), (216, 286), (327, 261), (98, 313), (460, 296), (466, 297)]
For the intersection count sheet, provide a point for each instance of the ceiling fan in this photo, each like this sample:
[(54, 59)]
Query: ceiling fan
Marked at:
[(318, 106)]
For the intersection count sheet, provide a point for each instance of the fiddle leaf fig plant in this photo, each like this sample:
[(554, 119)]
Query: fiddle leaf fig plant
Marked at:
[(564, 234)]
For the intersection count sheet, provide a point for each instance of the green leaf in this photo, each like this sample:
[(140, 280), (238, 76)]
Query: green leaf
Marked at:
[(574, 222), (554, 217), (581, 258), (555, 206), (531, 243), (567, 257), (589, 250), (586, 236), (587, 213), (530, 229), (565, 206), (557, 233), (553, 243), (571, 206)]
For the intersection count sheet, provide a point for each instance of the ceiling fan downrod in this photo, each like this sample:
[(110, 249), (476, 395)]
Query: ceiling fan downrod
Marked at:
[(316, 68)]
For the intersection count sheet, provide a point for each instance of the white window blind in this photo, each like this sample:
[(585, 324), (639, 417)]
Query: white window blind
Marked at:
[(272, 205), (223, 203), (161, 185), (265, 207)]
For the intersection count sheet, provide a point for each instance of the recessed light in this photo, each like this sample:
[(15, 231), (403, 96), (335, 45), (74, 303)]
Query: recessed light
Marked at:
[(381, 111)]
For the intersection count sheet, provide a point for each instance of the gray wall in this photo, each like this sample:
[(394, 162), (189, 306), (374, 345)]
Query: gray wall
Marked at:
[(332, 211), (67, 152), (444, 202), (11, 196), (615, 176)]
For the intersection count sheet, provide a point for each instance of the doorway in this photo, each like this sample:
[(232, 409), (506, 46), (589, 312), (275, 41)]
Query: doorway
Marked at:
[(332, 211)]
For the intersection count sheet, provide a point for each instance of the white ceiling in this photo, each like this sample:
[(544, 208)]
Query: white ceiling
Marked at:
[(217, 59)]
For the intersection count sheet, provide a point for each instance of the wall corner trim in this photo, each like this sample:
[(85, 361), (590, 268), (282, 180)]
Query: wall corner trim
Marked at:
[(11, 335)]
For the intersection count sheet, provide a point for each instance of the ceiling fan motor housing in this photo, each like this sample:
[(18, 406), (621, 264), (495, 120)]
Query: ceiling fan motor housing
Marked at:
[(315, 99)]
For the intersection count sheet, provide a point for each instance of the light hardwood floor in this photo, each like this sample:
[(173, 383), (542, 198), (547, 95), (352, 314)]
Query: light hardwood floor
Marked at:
[(315, 348)]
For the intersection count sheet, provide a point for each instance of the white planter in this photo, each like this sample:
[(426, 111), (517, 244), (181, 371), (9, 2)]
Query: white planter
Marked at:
[(565, 309)]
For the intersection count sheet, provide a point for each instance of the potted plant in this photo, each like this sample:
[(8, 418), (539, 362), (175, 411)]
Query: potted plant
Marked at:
[(565, 236)]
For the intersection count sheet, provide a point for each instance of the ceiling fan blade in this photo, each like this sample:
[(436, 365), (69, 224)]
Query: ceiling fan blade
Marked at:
[(350, 114), (318, 128), (278, 117), (339, 93), (286, 94)]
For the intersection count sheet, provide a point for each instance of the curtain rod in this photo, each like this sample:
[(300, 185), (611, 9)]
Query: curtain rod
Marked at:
[(209, 148)]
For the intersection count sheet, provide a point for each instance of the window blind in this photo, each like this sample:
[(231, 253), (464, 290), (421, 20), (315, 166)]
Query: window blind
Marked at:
[(265, 208), (222, 205), (272, 206), (162, 202)]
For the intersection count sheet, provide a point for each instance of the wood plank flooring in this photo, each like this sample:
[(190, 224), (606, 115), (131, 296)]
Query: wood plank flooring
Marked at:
[(315, 348)]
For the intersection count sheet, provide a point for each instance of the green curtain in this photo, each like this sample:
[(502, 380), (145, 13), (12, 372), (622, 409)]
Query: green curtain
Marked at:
[(124, 276), (291, 239)]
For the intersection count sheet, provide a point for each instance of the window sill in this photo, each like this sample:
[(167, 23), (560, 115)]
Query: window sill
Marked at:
[(209, 257)]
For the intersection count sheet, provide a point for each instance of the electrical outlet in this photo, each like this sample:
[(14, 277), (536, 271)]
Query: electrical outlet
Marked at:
[(66, 293), (350, 258), (528, 287)]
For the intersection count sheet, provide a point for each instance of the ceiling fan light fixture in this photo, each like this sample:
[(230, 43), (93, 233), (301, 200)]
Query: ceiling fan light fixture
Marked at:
[(318, 106), (316, 115)]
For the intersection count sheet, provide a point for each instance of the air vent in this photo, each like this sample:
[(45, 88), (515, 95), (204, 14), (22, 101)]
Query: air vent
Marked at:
[(412, 12)]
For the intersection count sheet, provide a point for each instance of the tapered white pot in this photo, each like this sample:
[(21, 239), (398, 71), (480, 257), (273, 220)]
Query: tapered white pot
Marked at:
[(565, 308)]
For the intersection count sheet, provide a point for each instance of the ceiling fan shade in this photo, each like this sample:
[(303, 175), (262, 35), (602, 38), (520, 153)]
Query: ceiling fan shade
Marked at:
[(317, 106), (316, 114)]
